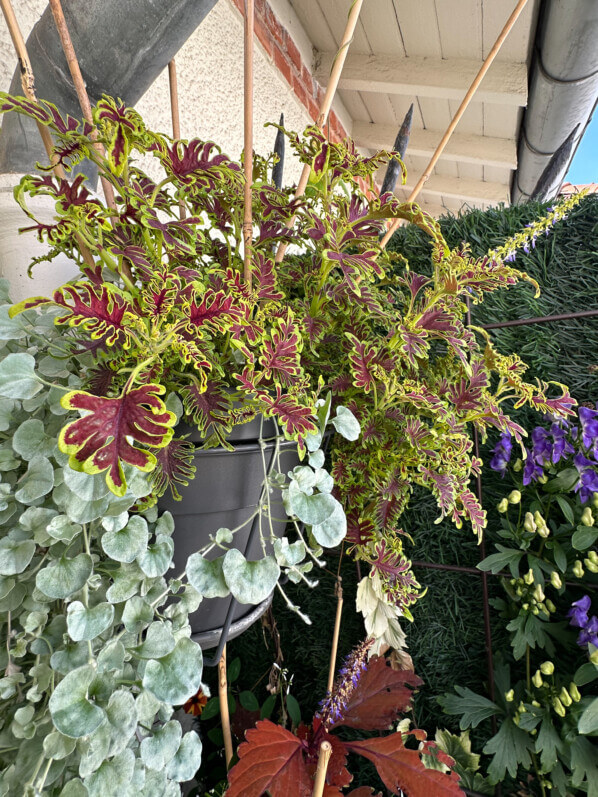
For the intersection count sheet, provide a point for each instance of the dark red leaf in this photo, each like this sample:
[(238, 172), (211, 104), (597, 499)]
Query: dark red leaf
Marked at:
[(379, 697), (401, 768), (174, 467), (271, 759)]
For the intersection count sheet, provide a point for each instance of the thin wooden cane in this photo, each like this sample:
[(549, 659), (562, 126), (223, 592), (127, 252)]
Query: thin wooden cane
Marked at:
[(460, 111), (337, 68), (174, 112), (337, 627), (323, 759), (224, 715), (248, 138), (79, 84), (28, 84)]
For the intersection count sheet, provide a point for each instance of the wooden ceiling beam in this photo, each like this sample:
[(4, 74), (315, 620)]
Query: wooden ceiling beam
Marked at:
[(505, 83), (463, 147)]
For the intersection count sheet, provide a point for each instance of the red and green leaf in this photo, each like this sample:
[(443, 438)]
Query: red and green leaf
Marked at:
[(174, 467), (280, 354), (363, 360), (100, 441)]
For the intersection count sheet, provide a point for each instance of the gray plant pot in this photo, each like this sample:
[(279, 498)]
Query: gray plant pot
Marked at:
[(224, 493)]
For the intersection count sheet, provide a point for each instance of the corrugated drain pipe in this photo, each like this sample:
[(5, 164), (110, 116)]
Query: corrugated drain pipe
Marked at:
[(563, 89), (122, 46)]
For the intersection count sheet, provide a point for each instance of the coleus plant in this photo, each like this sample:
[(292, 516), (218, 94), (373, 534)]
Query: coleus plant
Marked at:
[(163, 308), (368, 695)]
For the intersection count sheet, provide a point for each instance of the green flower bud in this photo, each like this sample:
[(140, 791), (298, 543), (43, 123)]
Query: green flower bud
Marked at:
[(550, 606), (578, 569), (547, 668), (565, 697), (593, 556), (543, 531), (558, 707), (510, 696), (525, 606), (555, 580), (595, 500), (529, 577), (587, 518), (574, 692), (592, 566), (535, 610), (539, 593), (594, 657), (543, 478), (516, 718), (535, 704), (514, 497), (502, 506), (518, 465), (537, 679), (528, 523), (538, 519)]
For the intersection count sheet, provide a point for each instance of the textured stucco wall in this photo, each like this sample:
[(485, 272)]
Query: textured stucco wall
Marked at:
[(210, 79)]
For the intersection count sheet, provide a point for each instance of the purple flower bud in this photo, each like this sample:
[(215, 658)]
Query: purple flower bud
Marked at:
[(502, 454), (578, 613), (589, 425), (589, 634), (531, 470)]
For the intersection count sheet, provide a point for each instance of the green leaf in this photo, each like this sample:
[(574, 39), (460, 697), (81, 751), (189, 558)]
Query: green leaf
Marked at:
[(249, 701), (588, 722), (293, 706), (584, 537), (566, 509), (584, 764), (64, 576), (126, 544), (58, 746), (73, 655), (17, 377), (187, 759), (112, 656), (126, 583), (250, 582), (211, 709), (528, 630), (565, 481), (156, 559), (207, 576), (86, 624), (317, 458), (346, 424), (37, 481), (587, 673), (310, 509), (12, 328), (157, 750), (88, 486), (508, 557), (176, 677), (510, 747), (31, 440), (234, 670), (112, 779), (560, 557), (474, 708), (333, 530), (15, 555), (137, 614), (158, 642), (74, 788), (72, 713), (548, 744), (61, 527)]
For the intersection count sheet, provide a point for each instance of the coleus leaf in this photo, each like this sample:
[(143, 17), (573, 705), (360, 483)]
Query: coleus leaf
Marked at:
[(100, 310), (401, 768), (271, 759), (174, 467), (99, 441), (210, 407), (280, 354), (380, 696)]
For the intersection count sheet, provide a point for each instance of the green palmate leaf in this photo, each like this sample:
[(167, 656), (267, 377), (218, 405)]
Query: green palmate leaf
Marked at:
[(126, 544), (588, 722), (156, 560), (346, 424), (549, 745), (99, 442), (176, 677), (508, 557), (112, 779), (186, 760), (584, 537), (529, 630), (510, 747), (159, 642), (584, 764), (249, 582), (17, 377), (159, 749), (72, 713), (474, 708), (333, 530), (37, 481), (64, 576), (15, 555), (85, 624), (31, 440), (137, 614)]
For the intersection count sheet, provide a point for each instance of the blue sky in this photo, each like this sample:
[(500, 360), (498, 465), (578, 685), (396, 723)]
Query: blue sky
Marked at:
[(584, 167)]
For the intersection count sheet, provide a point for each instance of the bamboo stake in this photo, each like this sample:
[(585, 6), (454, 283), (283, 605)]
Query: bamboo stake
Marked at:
[(28, 84), (79, 83), (223, 700), (337, 68), (335, 635), (323, 759), (248, 138), (174, 112), (460, 111)]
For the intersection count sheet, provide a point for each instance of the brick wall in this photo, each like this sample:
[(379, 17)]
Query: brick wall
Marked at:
[(285, 56)]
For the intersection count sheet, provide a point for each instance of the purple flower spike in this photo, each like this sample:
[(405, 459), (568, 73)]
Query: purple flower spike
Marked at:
[(589, 634), (578, 613), (588, 477), (589, 425), (561, 447), (502, 454), (531, 470), (541, 448)]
